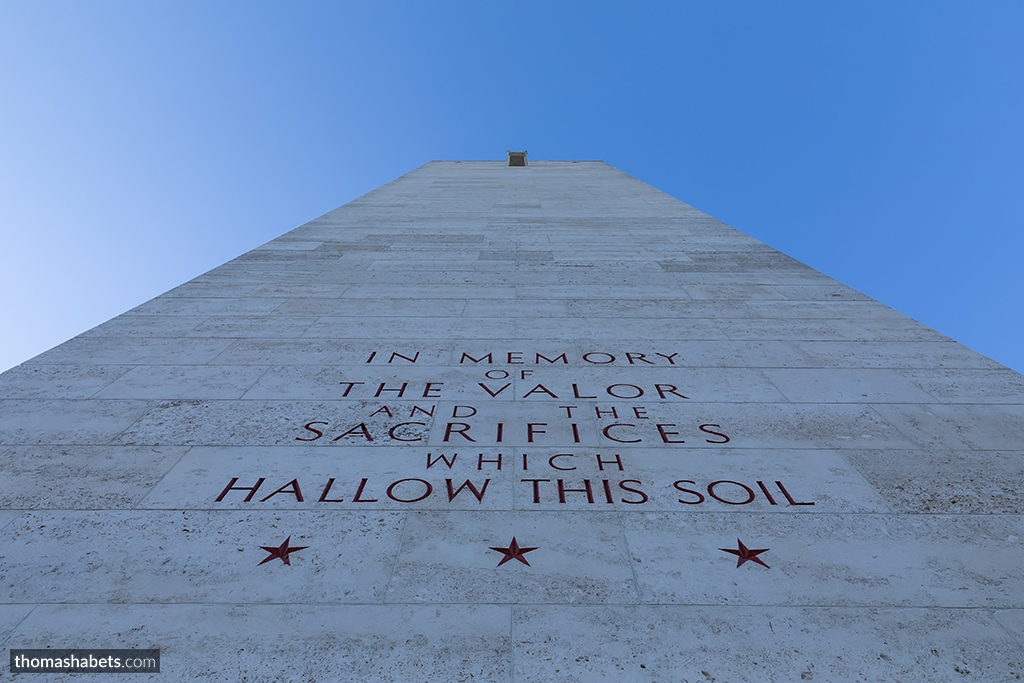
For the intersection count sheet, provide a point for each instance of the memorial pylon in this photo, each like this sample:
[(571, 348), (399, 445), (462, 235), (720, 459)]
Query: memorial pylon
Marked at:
[(526, 421)]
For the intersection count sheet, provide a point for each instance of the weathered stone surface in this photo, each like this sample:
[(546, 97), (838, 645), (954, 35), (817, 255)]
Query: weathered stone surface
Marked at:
[(269, 643), (761, 644)]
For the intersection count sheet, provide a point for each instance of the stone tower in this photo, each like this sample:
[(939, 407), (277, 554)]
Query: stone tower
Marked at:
[(517, 421)]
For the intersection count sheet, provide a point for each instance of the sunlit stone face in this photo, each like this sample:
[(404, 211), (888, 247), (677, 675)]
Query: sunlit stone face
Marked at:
[(530, 424)]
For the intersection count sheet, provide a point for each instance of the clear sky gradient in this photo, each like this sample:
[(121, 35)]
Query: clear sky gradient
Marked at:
[(143, 143)]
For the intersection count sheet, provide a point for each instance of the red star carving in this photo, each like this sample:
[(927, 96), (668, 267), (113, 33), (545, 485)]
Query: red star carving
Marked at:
[(745, 554), (514, 552), (281, 552)]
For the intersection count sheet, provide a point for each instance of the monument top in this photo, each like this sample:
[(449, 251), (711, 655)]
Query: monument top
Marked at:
[(517, 158)]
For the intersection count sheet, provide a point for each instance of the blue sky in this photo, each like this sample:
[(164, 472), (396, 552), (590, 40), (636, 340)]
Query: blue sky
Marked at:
[(142, 144)]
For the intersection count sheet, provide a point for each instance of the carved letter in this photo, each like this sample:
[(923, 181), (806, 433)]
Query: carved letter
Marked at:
[(671, 390), (431, 463), (586, 488), (551, 461), (428, 491), (530, 431), (789, 497), (609, 436), (711, 431), (391, 432), (700, 496), (494, 393), (359, 492), (665, 434), (400, 391), (315, 431), (350, 385), (639, 391), (622, 485), (576, 392), (231, 487), (327, 489), (479, 494), (450, 429), (536, 488), (540, 388), (481, 460)]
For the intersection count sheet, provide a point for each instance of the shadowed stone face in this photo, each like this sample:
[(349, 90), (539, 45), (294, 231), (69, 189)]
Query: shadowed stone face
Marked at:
[(517, 421)]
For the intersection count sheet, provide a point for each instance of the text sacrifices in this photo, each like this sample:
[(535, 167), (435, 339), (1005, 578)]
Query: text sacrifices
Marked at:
[(497, 432)]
